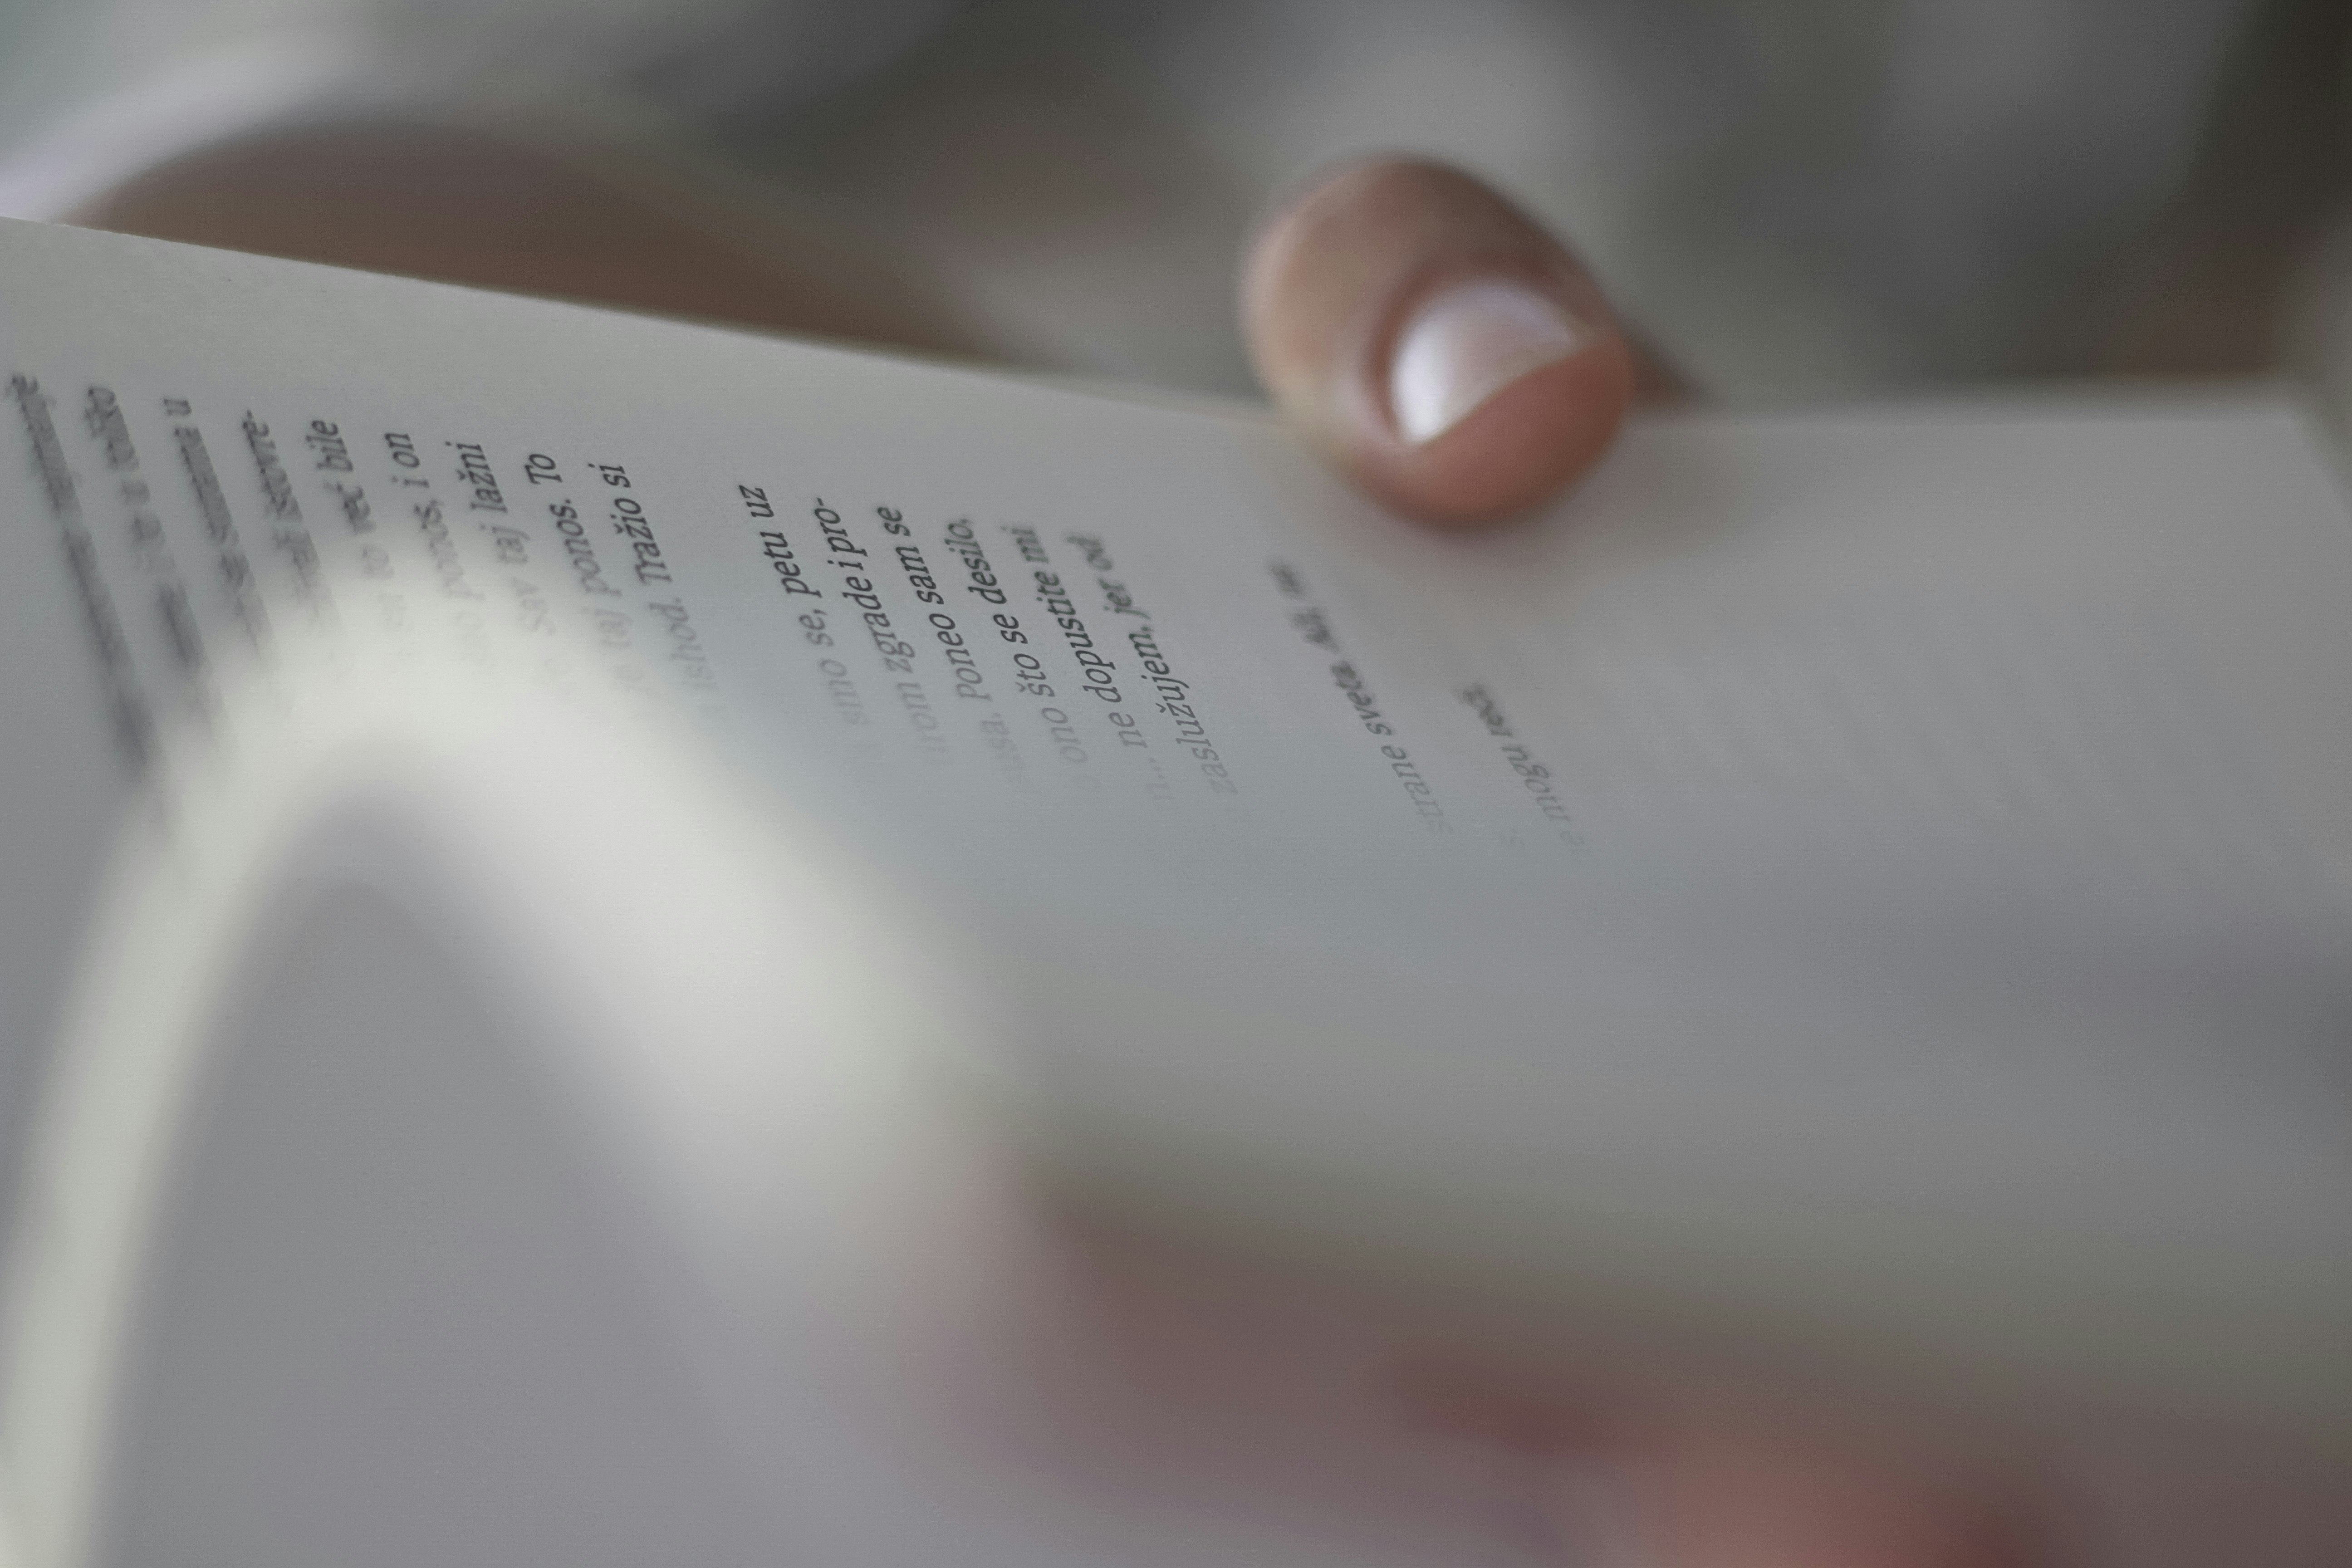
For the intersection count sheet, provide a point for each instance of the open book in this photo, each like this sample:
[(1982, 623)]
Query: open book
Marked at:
[(1865, 885)]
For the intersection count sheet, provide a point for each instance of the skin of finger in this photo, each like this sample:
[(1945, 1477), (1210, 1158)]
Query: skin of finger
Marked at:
[(1669, 1472), (570, 219), (1730, 1499), (1664, 1455), (1338, 272)]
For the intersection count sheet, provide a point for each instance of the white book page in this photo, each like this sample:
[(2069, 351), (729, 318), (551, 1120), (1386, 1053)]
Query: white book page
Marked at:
[(1830, 839)]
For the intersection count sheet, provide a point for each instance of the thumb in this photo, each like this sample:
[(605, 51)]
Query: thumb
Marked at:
[(1449, 355)]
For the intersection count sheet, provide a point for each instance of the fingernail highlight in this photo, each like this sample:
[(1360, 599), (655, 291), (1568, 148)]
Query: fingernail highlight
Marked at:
[(1469, 342)]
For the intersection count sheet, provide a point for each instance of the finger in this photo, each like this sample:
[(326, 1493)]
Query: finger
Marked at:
[(577, 219), (1449, 355), (1663, 1481), (1741, 1499)]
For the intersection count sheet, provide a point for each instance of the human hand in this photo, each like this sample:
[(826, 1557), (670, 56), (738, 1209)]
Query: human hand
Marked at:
[(1443, 351), (1447, 354)]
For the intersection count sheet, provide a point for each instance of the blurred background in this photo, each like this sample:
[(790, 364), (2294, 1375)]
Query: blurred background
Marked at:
[(1794, 198)]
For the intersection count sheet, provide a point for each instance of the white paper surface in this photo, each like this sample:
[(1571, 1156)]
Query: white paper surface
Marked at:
[(1886, 867)]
